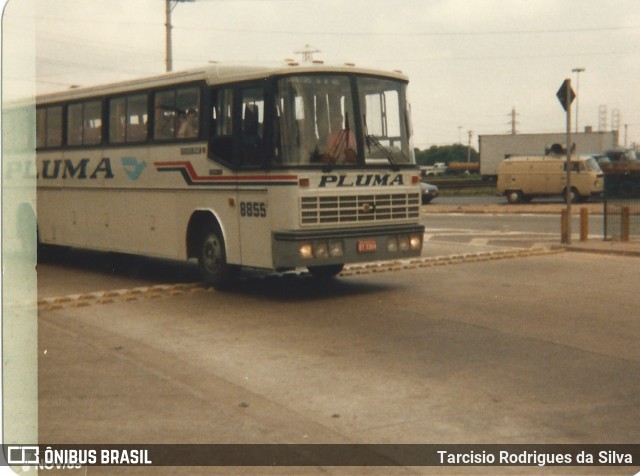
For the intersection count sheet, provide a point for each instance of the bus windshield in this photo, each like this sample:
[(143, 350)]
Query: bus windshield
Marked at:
[(331, 120)]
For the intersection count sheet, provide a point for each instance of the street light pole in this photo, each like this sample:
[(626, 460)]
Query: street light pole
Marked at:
[(577, 71), (169, 53)]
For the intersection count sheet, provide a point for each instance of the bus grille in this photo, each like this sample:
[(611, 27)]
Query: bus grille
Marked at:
[(359, 208)]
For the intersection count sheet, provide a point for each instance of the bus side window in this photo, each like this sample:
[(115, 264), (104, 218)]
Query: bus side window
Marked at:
[(41, 127), (54, 126), (188, 110), (92, 123), (165, 115), (128, 119), (74, 124), (117, 114), (172, 114), (221, 142)]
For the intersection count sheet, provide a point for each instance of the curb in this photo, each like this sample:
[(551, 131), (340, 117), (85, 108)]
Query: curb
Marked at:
[(601, 251), (510, 209)]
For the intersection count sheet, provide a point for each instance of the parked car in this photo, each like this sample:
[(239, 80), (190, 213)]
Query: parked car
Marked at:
[(438, 168), (429, 192)]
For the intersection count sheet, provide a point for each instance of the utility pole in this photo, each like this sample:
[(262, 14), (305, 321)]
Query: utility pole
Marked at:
[(169, 5), (577, 71), (513, 120), (307, 53), (626, 127), (469, 147)]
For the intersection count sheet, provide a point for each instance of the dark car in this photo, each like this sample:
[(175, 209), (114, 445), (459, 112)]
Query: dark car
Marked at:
[(429, 192)]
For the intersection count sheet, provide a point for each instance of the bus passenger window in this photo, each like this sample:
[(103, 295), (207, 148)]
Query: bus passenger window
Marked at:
[(84, 123), (172, 118), (117, 114), (74, 124), (188, 107), (92, 123), (137, 118), (54, 126), (165, 115), (49, 127), (41, 127), (128, 119)]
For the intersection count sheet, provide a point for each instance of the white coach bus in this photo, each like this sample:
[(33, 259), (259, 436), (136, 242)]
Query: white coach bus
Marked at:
[(274, 168)]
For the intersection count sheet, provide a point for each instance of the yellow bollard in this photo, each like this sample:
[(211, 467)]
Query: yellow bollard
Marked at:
[(625, 224), (564, 227), (584, 224)]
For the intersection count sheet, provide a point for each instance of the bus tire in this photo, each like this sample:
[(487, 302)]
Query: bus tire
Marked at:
[(212, 258), (327, 271)]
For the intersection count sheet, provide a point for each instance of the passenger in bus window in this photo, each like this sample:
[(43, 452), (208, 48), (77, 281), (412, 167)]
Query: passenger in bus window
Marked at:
[(251, 126), (189, 126), (341, 142), (251, 136)]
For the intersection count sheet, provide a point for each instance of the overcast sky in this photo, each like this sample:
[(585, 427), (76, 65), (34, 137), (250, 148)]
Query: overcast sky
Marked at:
[(469, 61)]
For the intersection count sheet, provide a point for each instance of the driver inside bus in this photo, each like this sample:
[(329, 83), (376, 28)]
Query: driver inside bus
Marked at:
[(189, 127), (341, 143)]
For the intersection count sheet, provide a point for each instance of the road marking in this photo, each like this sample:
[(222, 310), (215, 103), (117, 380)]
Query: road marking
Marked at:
[(423, 262)]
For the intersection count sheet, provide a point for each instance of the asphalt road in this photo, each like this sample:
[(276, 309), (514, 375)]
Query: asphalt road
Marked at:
[(510, 230), (514, 350)]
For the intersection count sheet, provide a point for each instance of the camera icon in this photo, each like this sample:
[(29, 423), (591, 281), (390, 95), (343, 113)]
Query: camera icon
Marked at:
[(23, 455)]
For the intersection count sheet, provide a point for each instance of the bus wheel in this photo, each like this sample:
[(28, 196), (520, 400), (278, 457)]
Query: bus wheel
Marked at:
[(328, 271), (212, 258), (514, 196)]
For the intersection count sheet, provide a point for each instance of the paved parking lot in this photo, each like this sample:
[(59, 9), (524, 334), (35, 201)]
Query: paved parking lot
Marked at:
[(516, 350)]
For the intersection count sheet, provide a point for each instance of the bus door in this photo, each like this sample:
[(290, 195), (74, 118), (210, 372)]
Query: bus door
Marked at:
[(253, 206)]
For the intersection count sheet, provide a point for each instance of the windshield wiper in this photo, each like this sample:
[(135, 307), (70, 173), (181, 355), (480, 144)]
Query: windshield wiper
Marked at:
[(371, 139)]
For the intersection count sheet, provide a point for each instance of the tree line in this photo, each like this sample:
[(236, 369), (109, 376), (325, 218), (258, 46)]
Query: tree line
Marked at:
[(445, 153)]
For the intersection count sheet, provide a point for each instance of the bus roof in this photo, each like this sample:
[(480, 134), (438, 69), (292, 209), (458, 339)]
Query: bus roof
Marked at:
[(212, 74)]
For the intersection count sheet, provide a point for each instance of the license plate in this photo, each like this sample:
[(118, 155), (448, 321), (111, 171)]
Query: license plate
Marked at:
[(367, 246)]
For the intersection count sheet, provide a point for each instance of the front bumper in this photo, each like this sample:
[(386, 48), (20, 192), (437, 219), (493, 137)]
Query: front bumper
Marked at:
[(293, 249)]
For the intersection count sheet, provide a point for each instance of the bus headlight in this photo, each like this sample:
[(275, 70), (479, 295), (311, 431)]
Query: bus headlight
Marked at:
[(336, 249), (392, 245), (403, 243), (415, 242), (321, 250), (306, 251)]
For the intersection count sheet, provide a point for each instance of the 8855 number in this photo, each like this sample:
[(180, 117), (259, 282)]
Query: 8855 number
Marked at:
[(253, 209)]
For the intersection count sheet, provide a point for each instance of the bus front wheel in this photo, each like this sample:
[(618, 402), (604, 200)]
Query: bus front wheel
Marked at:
[(212, 258)]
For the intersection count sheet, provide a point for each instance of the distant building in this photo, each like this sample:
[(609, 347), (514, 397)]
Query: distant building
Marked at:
[(497, 147)]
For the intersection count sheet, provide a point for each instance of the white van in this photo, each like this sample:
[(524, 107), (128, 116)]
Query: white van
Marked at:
[(523, 178)]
